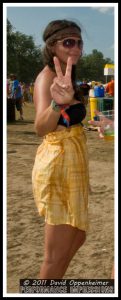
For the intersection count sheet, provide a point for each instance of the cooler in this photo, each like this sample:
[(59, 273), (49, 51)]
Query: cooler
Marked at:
[(98, 91)]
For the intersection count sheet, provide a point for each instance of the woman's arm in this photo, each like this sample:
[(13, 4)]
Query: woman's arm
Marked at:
[(46, 118), (49, 86)]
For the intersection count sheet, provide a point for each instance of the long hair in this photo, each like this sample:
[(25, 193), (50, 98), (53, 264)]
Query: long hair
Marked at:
[(55, 31), (78, 95)]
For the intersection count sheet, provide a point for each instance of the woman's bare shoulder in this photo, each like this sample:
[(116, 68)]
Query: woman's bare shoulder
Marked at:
[(46, 75), (42, 85)]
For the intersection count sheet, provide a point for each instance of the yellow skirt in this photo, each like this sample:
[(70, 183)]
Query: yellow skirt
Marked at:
[(60, 178)]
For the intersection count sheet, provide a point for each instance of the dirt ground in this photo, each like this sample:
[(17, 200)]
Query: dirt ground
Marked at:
[(25, 237)]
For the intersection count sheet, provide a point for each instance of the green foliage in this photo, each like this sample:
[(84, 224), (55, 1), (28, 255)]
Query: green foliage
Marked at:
[(91, 67), (24, 59)]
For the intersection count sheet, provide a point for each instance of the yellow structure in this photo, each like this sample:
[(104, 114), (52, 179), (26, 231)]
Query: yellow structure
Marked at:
[(109, 69), (93, 106)]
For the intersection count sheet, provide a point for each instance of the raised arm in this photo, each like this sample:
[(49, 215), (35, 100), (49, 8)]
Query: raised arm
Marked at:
[(61, 89), (46, 118), (50, 86)]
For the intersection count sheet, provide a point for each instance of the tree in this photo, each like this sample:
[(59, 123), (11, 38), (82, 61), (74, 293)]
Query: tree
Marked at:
[(24, 58), (91, 67), (10, 47)]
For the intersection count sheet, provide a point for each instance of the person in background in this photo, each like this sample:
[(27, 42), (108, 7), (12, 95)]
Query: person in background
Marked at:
[(98, 90), (109, 89), (22, 84), (16, 94), (8, 88), (60, 175), (31, 90), (85, 90)]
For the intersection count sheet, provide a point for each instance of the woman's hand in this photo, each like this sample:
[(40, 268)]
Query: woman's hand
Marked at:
[(102, 123), (61, 89)]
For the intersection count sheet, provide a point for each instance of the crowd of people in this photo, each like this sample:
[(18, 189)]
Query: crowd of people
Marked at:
[(14, 91), (19, 92), (26, 89), (88, 89)]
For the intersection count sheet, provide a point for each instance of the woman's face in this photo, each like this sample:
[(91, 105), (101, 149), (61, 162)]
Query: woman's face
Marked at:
[(68, 47)]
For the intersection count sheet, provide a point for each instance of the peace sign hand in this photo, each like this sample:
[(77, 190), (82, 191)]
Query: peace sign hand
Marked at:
[(61, 89)]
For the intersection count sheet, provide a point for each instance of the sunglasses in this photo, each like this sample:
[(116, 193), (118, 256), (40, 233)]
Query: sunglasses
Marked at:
[(70, 43)]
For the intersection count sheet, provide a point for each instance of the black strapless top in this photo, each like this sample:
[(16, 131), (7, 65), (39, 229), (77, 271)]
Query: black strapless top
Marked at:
[(76, 113)]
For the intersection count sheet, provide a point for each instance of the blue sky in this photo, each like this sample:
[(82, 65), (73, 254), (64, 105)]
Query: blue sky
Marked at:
[(97, 23)]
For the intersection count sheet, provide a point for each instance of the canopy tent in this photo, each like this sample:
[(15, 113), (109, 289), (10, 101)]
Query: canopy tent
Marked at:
[(109, 70)]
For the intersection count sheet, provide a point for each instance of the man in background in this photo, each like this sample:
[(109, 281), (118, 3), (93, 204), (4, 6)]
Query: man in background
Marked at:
[(16, 94), (110, 87)]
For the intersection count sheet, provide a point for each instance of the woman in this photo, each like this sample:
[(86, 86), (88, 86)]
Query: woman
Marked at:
[(60, 173)]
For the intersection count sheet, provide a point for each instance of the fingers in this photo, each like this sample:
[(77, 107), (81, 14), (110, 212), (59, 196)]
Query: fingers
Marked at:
[(103, 121), (101, 133), (58, 68), (104, 118), (96, 123), (55, 88), (97, 112), (61, 84), (100, 129), (68, 70)]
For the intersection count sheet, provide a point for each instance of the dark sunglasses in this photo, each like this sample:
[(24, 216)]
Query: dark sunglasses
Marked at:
[(70, 43)]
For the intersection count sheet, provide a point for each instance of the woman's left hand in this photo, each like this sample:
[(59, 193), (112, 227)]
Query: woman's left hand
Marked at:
[(62, 89), (102, 123)]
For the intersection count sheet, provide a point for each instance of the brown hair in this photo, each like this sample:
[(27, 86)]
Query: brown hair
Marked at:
[(55, 31)]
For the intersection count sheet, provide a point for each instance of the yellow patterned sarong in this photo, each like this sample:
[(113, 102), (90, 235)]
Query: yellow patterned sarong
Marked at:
[(60, 178)]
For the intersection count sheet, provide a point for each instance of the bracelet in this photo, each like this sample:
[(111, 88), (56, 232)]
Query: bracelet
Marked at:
[(61, 108), (58, 107), (55, 106)]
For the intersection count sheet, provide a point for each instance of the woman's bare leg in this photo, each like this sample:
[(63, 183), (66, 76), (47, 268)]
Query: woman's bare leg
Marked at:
[(58, 242), (77, 243)]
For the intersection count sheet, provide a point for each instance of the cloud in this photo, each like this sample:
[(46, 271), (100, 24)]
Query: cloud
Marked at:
[(103, 10)]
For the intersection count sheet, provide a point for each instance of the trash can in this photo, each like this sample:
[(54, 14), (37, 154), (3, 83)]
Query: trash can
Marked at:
[(93, 106), (104, 103), (98, 91), (10, 109)]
